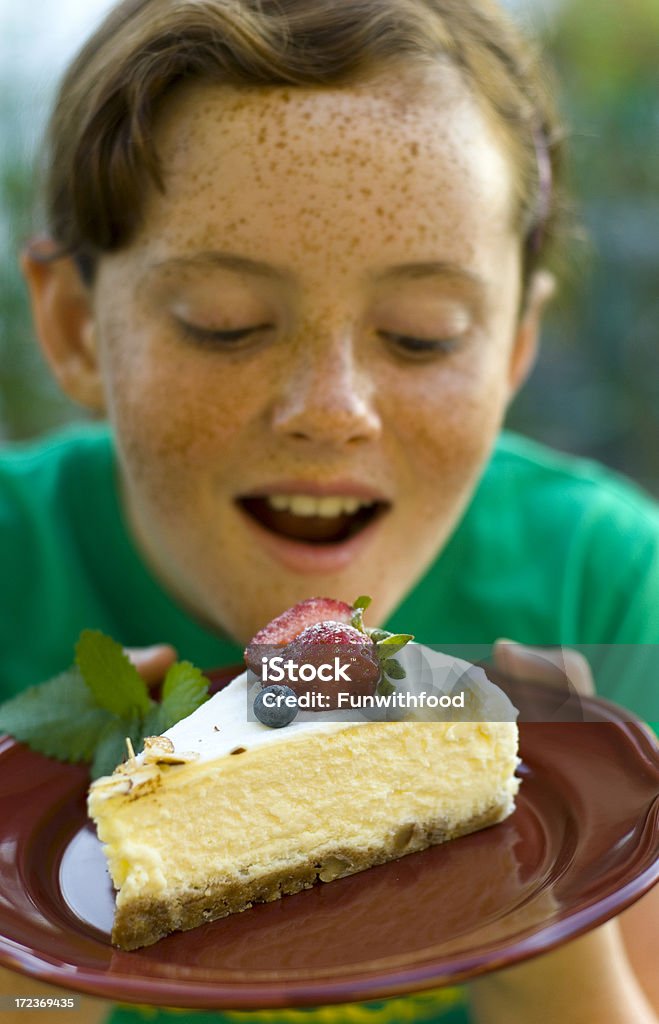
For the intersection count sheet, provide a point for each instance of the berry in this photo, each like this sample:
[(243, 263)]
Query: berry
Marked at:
[(331, 632), (320, 644), (285, 627), (276, 706)]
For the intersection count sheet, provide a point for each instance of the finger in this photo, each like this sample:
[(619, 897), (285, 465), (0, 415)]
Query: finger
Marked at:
[(552, 665), (152, 662)]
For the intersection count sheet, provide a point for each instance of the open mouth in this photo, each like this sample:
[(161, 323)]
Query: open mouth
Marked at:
[(313, 520)]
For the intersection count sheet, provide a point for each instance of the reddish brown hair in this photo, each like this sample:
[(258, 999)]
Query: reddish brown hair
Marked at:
[(101, 155)]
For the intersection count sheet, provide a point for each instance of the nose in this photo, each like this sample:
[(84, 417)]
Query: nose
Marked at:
[(325, 396)]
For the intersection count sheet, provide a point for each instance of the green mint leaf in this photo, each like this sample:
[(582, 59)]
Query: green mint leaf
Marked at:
[(155, 723), (111, 749), (393, 669), (86, 714), (362, 602), (59, 718), (115, 683), (385, 688), (184, 690)]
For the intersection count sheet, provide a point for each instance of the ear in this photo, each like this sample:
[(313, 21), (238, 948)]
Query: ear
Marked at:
[(539, 291), (64, 321)]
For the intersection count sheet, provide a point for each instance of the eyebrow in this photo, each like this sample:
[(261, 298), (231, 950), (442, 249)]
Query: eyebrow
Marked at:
[(257, 268), (432, 268), (227, 261)]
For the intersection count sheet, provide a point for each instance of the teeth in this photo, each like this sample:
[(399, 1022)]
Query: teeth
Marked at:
[(279, 502), (306, 505)]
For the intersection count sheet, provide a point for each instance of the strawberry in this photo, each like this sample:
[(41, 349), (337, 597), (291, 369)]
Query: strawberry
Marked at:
[(323, 632), (285, 627), (320, 644)]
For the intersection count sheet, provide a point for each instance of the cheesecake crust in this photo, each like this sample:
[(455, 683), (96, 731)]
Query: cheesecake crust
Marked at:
[(143, 921)]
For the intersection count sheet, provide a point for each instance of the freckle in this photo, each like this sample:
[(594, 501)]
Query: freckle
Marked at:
[(414, 148)]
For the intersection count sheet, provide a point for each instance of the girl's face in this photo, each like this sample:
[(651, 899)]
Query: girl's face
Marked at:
[(308, 348)]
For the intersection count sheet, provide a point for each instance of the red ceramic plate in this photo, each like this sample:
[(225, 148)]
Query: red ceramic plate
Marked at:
[(581, 846)]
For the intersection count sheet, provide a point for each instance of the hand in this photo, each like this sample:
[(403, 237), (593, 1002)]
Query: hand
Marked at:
[(551, 665), (152, 662), (587, 981)]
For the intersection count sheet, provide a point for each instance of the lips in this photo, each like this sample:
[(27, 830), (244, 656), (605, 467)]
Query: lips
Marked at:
[(314, 518)]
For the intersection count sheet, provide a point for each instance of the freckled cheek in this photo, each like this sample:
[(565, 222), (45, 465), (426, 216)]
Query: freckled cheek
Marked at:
[(449, 428), (176, 419)]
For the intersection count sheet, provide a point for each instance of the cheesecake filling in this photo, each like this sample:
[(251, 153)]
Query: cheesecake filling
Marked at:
[(194, 825)]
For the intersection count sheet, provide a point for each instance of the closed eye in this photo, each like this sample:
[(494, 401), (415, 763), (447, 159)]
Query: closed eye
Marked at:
[(413, 346), (210, 336)]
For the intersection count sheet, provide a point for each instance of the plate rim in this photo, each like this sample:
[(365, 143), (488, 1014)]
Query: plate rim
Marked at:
[(366, 982)]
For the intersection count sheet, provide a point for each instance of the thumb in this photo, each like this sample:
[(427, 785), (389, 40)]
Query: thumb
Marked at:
[(152, 662), (552, 665)]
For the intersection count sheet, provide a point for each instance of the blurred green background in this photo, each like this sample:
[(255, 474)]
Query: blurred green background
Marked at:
[(595, 390)]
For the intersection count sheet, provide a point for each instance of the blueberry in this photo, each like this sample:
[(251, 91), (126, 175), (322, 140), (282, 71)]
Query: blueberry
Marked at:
[(276, 706)]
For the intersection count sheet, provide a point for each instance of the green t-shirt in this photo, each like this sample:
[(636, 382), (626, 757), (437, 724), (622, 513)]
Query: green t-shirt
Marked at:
[(552, 550)]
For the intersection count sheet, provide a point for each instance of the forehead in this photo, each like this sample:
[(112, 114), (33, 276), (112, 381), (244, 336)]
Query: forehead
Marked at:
[(411, 161)]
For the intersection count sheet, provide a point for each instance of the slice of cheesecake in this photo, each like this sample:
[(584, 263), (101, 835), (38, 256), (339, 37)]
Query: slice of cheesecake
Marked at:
[(223, 811)]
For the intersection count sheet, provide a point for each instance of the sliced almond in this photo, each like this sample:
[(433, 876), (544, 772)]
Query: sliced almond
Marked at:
[(158, 744), (111, 785), (334, 867)]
